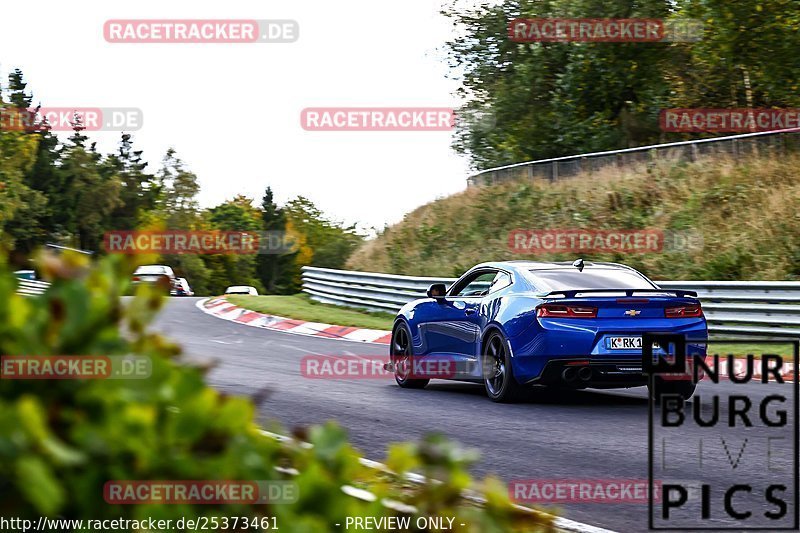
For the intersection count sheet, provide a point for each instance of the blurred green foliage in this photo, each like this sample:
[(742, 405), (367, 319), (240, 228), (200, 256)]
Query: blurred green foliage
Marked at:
[(61, 440)]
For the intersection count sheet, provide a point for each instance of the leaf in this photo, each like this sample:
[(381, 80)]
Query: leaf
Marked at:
[(37, 482)]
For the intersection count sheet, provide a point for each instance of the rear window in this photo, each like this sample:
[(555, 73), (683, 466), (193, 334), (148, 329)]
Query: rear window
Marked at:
[(239, 289), (154, 269), (590, 278)]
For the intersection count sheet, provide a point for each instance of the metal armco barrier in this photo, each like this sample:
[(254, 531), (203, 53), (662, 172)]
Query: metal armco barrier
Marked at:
[(29, 287), (732, 308), (772, 143)]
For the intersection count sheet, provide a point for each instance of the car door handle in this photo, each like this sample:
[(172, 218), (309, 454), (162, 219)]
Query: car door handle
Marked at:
[(470, 311)]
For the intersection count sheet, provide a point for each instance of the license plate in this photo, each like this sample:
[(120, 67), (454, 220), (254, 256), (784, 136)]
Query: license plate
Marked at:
[(624, 343), (148, 278)]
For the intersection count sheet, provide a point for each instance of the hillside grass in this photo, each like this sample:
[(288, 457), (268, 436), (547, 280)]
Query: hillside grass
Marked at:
[(746, 215), (301, 307), (785, 349)]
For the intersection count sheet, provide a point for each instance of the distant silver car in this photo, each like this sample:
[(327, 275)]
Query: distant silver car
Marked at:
[(160, 275), (242, 289)]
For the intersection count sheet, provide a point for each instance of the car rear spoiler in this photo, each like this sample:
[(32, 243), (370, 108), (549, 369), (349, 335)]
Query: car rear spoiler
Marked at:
[(628, 292)]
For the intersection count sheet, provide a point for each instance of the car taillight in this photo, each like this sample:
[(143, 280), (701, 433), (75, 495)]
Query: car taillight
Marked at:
[(566, 311), (136, 278), (684, 311)]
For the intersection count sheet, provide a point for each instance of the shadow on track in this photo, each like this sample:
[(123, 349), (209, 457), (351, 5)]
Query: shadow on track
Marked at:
[(542, 395)]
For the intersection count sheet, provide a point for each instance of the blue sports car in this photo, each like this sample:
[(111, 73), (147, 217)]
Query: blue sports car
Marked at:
[(515, 324)]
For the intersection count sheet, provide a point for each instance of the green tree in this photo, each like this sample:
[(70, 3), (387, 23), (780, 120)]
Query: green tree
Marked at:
[(330, 243), (746, 58), (179, 188), (272, 268), (20, 206), (237, 214), (139, 190), (17, 156), (17, 95), (557, 99), (33, 222), (91, 194)]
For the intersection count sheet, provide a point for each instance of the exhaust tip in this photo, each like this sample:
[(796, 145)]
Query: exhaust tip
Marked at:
[(585, 373), (569, 374)]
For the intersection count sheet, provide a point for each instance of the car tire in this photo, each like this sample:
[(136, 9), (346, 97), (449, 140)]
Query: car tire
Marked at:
[(401, 353), (498, 372), (661, 387)]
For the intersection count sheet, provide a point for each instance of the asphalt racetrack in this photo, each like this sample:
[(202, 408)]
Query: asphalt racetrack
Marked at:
[(569, 435)]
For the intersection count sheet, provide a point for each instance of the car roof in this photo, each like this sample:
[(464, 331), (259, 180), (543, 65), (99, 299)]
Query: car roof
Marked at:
[(524, 270), (521, 265), (153, 268)]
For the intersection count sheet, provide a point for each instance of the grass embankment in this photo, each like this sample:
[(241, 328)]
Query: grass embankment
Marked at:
[(745, 218), (784, 349), (301, 307), (746, 213)]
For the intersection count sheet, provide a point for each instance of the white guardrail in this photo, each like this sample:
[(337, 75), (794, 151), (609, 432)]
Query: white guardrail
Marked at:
[(29, 287), (732, 308)]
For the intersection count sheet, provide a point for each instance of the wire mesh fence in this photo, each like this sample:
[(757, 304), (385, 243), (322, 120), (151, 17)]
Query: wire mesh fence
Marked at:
[(762, 144)]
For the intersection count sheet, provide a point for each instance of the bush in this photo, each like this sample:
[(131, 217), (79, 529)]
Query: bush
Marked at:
[(62, 440)]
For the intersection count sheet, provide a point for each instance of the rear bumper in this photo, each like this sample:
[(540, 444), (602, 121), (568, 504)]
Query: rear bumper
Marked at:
[(581, 372), (537, 352)]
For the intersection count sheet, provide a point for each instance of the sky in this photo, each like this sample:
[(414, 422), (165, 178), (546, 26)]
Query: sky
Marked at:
[(232, 111)]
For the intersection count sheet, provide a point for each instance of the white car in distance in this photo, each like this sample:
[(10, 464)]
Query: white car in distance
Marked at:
[(242, 289)]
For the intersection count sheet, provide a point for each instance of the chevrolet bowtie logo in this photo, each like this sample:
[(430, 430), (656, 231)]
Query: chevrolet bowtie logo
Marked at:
[(632, 312)]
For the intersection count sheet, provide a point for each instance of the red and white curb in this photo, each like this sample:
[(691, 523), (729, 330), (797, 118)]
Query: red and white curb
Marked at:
[(222, 308)]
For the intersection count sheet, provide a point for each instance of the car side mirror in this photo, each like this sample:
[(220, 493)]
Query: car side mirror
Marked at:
[(437, 291)]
